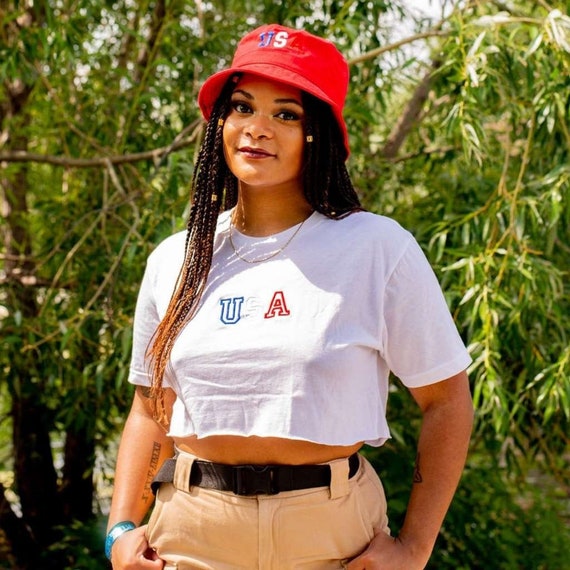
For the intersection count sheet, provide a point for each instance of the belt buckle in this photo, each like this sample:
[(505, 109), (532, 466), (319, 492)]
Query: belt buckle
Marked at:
[(254, 480)]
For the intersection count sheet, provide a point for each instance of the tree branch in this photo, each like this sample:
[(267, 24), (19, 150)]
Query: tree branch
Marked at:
[(156, 155), (147, 52), (391, 47), (129, 38), (143, 68), (410, 115)]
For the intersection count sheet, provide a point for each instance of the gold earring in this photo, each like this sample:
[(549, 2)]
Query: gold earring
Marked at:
[(309, 138)]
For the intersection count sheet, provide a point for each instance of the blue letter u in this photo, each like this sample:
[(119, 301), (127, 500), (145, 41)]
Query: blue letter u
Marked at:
[(231, 310)]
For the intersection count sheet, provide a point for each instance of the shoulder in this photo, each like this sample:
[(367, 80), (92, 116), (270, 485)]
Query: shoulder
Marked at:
[(368, 221), (169, 249), (172, 248), (368, 228)]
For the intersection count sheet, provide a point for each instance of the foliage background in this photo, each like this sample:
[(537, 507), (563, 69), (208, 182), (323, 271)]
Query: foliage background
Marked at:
[(459, 130)]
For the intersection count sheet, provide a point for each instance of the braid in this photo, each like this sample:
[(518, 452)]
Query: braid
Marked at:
[(327, 184), (214, 187)]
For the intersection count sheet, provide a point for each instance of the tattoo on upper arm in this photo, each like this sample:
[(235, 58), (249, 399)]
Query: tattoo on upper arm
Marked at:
[(151, 470), (417, 473), (145, 392)]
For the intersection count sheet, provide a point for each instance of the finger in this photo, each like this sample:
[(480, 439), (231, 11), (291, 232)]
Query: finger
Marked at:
[(150, 554), (146, 564), (354, 565)]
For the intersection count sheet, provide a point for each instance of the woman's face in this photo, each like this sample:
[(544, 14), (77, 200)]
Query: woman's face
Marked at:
[(263, 134)]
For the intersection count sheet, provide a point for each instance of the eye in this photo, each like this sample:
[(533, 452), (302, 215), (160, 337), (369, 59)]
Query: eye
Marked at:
[(241, 107), (286, 115)]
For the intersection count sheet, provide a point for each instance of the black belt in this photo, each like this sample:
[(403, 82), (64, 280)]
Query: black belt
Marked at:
[(253, 479)]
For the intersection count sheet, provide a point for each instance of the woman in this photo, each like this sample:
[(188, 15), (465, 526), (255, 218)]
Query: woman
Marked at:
[(267, 369)]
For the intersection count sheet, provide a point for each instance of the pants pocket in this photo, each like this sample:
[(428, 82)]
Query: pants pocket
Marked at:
[(196, 531), (321, 535)]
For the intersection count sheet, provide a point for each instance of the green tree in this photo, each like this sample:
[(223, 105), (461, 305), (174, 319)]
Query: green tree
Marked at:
[(494, 212), (460, 131)]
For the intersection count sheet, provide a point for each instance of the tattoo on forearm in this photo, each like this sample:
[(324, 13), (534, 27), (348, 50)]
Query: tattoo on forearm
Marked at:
[(417, 473), (151, 470)]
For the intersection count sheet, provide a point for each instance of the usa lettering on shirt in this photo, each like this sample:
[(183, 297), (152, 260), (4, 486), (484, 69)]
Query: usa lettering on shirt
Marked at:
[(232, 308)]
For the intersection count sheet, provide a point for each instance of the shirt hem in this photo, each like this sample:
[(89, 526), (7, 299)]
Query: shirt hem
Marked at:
[(374, 441)]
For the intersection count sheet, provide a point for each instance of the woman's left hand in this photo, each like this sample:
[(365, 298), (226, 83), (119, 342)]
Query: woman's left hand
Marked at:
[(388, 553)]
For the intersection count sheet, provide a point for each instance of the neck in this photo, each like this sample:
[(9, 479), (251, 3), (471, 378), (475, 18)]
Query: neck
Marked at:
[(262, 213)]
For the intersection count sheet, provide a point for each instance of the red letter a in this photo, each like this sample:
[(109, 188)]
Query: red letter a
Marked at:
[(277, 307)]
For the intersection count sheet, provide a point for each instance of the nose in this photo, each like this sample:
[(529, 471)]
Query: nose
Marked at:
[(259, 126)]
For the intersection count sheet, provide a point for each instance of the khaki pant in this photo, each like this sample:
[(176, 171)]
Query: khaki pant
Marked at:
[(310, 529)]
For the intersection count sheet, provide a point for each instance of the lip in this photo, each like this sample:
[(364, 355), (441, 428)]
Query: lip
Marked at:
[(253, 152)]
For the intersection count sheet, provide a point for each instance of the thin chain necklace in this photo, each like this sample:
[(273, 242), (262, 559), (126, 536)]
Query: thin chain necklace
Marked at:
[(271, 255)]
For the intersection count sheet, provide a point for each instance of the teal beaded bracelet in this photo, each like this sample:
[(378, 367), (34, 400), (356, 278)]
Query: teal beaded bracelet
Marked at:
[(116, 531)]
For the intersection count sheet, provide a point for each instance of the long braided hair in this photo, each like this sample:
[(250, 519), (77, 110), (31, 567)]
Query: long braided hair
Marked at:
[(327, 187)]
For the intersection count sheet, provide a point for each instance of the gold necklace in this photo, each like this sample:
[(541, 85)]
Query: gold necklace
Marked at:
[(238, 254)]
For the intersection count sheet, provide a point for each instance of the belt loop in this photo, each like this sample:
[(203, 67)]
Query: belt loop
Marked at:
[(184, 462), (339, 478)]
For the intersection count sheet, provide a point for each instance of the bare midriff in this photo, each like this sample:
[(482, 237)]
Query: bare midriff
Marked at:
[(236, 450)]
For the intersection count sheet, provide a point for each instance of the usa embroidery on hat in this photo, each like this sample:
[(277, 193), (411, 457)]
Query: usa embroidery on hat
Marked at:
[(278, 40)]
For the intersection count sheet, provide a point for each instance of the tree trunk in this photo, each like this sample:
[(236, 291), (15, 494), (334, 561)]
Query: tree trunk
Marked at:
[(35, 474), (77, 488), (17, 535), (32, 421), (33, 465)]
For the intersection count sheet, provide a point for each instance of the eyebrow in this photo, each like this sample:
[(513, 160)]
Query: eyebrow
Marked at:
[(280, 101)]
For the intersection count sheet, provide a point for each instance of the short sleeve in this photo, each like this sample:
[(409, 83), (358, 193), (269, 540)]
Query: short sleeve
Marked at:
[(421, 342), (145, 323)]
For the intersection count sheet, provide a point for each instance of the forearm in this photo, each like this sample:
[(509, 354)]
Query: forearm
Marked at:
[(442, 450), (144, 446)]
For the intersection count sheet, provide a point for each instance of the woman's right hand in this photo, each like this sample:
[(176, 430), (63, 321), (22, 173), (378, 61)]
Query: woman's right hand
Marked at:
[(131, 551)]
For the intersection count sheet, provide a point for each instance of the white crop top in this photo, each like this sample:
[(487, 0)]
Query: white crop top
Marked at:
[(301, 346)]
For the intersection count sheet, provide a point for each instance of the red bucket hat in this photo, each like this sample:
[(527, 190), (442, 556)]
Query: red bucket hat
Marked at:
[(290, 56)]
